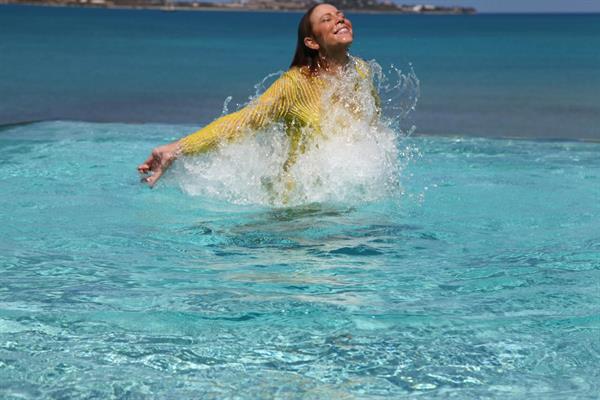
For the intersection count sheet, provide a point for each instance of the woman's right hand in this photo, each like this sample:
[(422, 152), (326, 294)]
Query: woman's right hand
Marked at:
[(159, 161)]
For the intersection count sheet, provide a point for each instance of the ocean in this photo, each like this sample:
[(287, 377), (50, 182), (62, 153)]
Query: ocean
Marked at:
[(452, 262), (485, 75)]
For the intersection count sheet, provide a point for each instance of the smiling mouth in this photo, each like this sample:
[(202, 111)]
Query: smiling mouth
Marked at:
[(343, 29)]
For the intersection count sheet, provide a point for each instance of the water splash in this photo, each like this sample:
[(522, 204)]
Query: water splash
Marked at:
[(399, 94), (226, 105), (358, 156)]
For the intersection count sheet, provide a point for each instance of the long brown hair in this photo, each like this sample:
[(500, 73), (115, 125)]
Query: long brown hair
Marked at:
[(305, 56)]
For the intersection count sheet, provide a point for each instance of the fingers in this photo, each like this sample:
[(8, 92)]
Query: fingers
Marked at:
[(145, 167), (151, 180), (158, 162), (161, 165)]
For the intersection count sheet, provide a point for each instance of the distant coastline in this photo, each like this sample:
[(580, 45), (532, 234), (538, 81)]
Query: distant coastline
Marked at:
[(366, 6)]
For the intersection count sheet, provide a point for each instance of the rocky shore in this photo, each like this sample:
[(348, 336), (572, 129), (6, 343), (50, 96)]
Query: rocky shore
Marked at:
[(386, 6)]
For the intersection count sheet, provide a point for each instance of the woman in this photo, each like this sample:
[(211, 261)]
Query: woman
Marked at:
[(324, 36)]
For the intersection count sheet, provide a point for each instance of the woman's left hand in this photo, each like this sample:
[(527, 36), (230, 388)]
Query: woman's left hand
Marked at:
[(159, 161)]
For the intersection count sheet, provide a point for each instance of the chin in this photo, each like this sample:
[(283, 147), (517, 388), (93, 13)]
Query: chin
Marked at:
[(345, 40)]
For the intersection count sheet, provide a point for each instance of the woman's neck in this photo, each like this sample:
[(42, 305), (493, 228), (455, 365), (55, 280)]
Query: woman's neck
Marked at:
[(334, 62)]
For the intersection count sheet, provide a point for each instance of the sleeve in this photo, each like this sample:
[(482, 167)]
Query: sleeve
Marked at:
[(273, 105)]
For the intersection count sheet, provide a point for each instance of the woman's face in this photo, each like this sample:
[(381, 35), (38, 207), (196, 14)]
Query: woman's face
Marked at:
[(330, 27)]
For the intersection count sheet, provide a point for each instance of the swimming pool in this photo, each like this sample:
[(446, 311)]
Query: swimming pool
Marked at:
[(480, 279)]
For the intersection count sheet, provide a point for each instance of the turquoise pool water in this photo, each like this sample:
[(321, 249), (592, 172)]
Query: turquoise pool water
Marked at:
[(479, 279)]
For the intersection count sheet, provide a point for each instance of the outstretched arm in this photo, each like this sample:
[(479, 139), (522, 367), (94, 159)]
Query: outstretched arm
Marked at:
[(271, 106)]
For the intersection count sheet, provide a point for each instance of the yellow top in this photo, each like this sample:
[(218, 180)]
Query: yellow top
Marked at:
[(294, 99)]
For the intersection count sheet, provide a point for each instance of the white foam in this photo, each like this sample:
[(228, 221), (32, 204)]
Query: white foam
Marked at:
[(358, 158)]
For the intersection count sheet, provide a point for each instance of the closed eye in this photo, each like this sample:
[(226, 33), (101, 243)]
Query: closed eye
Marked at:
[(327, 17)]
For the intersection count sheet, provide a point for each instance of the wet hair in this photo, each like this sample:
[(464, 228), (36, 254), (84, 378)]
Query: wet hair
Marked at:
[(305, 56)]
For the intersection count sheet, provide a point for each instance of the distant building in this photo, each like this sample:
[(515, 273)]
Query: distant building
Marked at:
[(351, 5)]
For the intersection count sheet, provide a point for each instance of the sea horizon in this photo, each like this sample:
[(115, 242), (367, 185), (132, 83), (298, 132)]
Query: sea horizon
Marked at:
[(501, 82)]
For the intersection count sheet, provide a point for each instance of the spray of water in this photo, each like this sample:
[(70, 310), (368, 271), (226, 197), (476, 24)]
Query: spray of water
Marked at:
[(357, 157)]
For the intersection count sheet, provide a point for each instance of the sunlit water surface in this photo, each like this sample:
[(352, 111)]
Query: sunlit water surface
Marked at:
[(478, 277)]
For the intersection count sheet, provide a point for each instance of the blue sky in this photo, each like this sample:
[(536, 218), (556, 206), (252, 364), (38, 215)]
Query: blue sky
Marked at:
[(518, 5)]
